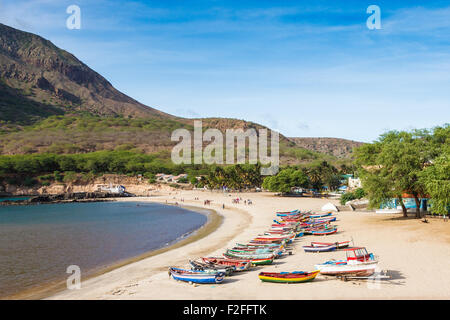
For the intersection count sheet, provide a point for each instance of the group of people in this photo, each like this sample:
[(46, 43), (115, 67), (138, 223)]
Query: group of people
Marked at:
[(237, 200)]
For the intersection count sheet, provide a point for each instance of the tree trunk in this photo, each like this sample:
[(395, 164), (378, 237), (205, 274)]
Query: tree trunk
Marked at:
[(417, 200), (405, 211)]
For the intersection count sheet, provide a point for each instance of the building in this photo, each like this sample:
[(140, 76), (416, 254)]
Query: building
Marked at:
[(354, 183), (170, 178), (116, 189)]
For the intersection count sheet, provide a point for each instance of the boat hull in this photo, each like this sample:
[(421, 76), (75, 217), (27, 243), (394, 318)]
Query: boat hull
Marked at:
[(320, 248), (361, 269), (288, 278), (196, 277), (256, 262)]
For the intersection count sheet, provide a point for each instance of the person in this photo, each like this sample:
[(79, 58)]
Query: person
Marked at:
[(223, 205)]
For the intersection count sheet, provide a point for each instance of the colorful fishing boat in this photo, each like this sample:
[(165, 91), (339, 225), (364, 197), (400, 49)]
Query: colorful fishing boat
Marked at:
[(312, 248), (323, 232), (211, 268), (339, 245), (263, 245), (358, 262), (195, 276), (250, 255), (238, 264), (326, 219), (276, 252), (320, 215), (288, 277), (253, 261)]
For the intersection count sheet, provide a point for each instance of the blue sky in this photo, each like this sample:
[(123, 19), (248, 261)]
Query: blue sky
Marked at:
[(304, 68)]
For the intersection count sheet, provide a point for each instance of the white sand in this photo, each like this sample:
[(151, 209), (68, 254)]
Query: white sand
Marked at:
[(416, 254)]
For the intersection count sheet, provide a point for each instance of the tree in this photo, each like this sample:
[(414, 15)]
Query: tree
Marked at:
[(436, 179), (285, 180), (393, 164)]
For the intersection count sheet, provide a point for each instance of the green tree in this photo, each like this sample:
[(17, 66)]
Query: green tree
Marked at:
[(436, 179), (393, 164)]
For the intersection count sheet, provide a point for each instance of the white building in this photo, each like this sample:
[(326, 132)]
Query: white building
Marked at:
[(354, 183)]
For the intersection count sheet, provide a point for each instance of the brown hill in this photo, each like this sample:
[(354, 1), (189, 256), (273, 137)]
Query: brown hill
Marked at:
[(52, 102), (46, 80), (341, 148)]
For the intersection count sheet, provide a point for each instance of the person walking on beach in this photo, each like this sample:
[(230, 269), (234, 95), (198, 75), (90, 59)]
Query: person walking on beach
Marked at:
[(223, 205)]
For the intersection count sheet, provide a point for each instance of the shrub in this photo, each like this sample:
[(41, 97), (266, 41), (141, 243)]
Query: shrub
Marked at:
[(347, 197), (359, 193)]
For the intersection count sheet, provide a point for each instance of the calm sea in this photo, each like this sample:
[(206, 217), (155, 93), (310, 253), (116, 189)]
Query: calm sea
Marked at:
[(39, 242)]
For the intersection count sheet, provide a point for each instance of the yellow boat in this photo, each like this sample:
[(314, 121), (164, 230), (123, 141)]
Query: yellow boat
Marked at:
[(288, 277)]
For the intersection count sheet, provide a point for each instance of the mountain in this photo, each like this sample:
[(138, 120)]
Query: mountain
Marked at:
[(52, 102), (341, 148), (47, 81)]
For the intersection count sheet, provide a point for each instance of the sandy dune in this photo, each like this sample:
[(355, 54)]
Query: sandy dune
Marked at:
[(416, 254)]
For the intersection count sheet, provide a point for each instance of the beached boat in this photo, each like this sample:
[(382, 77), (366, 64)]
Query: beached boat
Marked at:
[(263, 245), (238, 264), (320, 215), (253, 261), (312, 248), (211, 268), (267, 241), (250, 255), (288, 277), (276, 252), (323, 232), (339, 245), (358, 262), (195, 276), (326, 219)]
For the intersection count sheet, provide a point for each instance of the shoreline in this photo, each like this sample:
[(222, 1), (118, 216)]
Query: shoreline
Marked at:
[(408, 249), (43, 291)]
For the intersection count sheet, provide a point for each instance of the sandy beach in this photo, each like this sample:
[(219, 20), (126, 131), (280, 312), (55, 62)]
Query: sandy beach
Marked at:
[(415, 254)]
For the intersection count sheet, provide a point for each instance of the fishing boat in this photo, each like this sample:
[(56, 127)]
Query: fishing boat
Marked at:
[(238, 264), (287, 237), (358, 262), (339, 245), (320, 215), (195, 276), (257, 245), (323, 232), (267, 241), (326, 219), (250, 255), (287, 213), (211, 268), (253, 261), (312, 248), (288, 277), (276, 253)]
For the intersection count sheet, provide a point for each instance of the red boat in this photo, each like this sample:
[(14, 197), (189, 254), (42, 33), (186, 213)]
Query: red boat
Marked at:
[(239, 264)]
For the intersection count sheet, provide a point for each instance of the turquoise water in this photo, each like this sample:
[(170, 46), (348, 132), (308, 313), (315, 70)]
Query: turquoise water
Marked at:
[(39, 242), (14, 198)]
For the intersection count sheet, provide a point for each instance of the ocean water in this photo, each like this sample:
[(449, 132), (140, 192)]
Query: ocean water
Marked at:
[(39, 242), (13, 198)]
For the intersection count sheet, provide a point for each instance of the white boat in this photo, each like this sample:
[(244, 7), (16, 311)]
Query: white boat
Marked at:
[(359, 262)]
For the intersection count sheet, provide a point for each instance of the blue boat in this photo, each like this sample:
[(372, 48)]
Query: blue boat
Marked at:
[(196, 276), (320, 215), (312, 248)]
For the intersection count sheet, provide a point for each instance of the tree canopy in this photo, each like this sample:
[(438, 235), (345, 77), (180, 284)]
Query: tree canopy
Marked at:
[(395, 164)]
